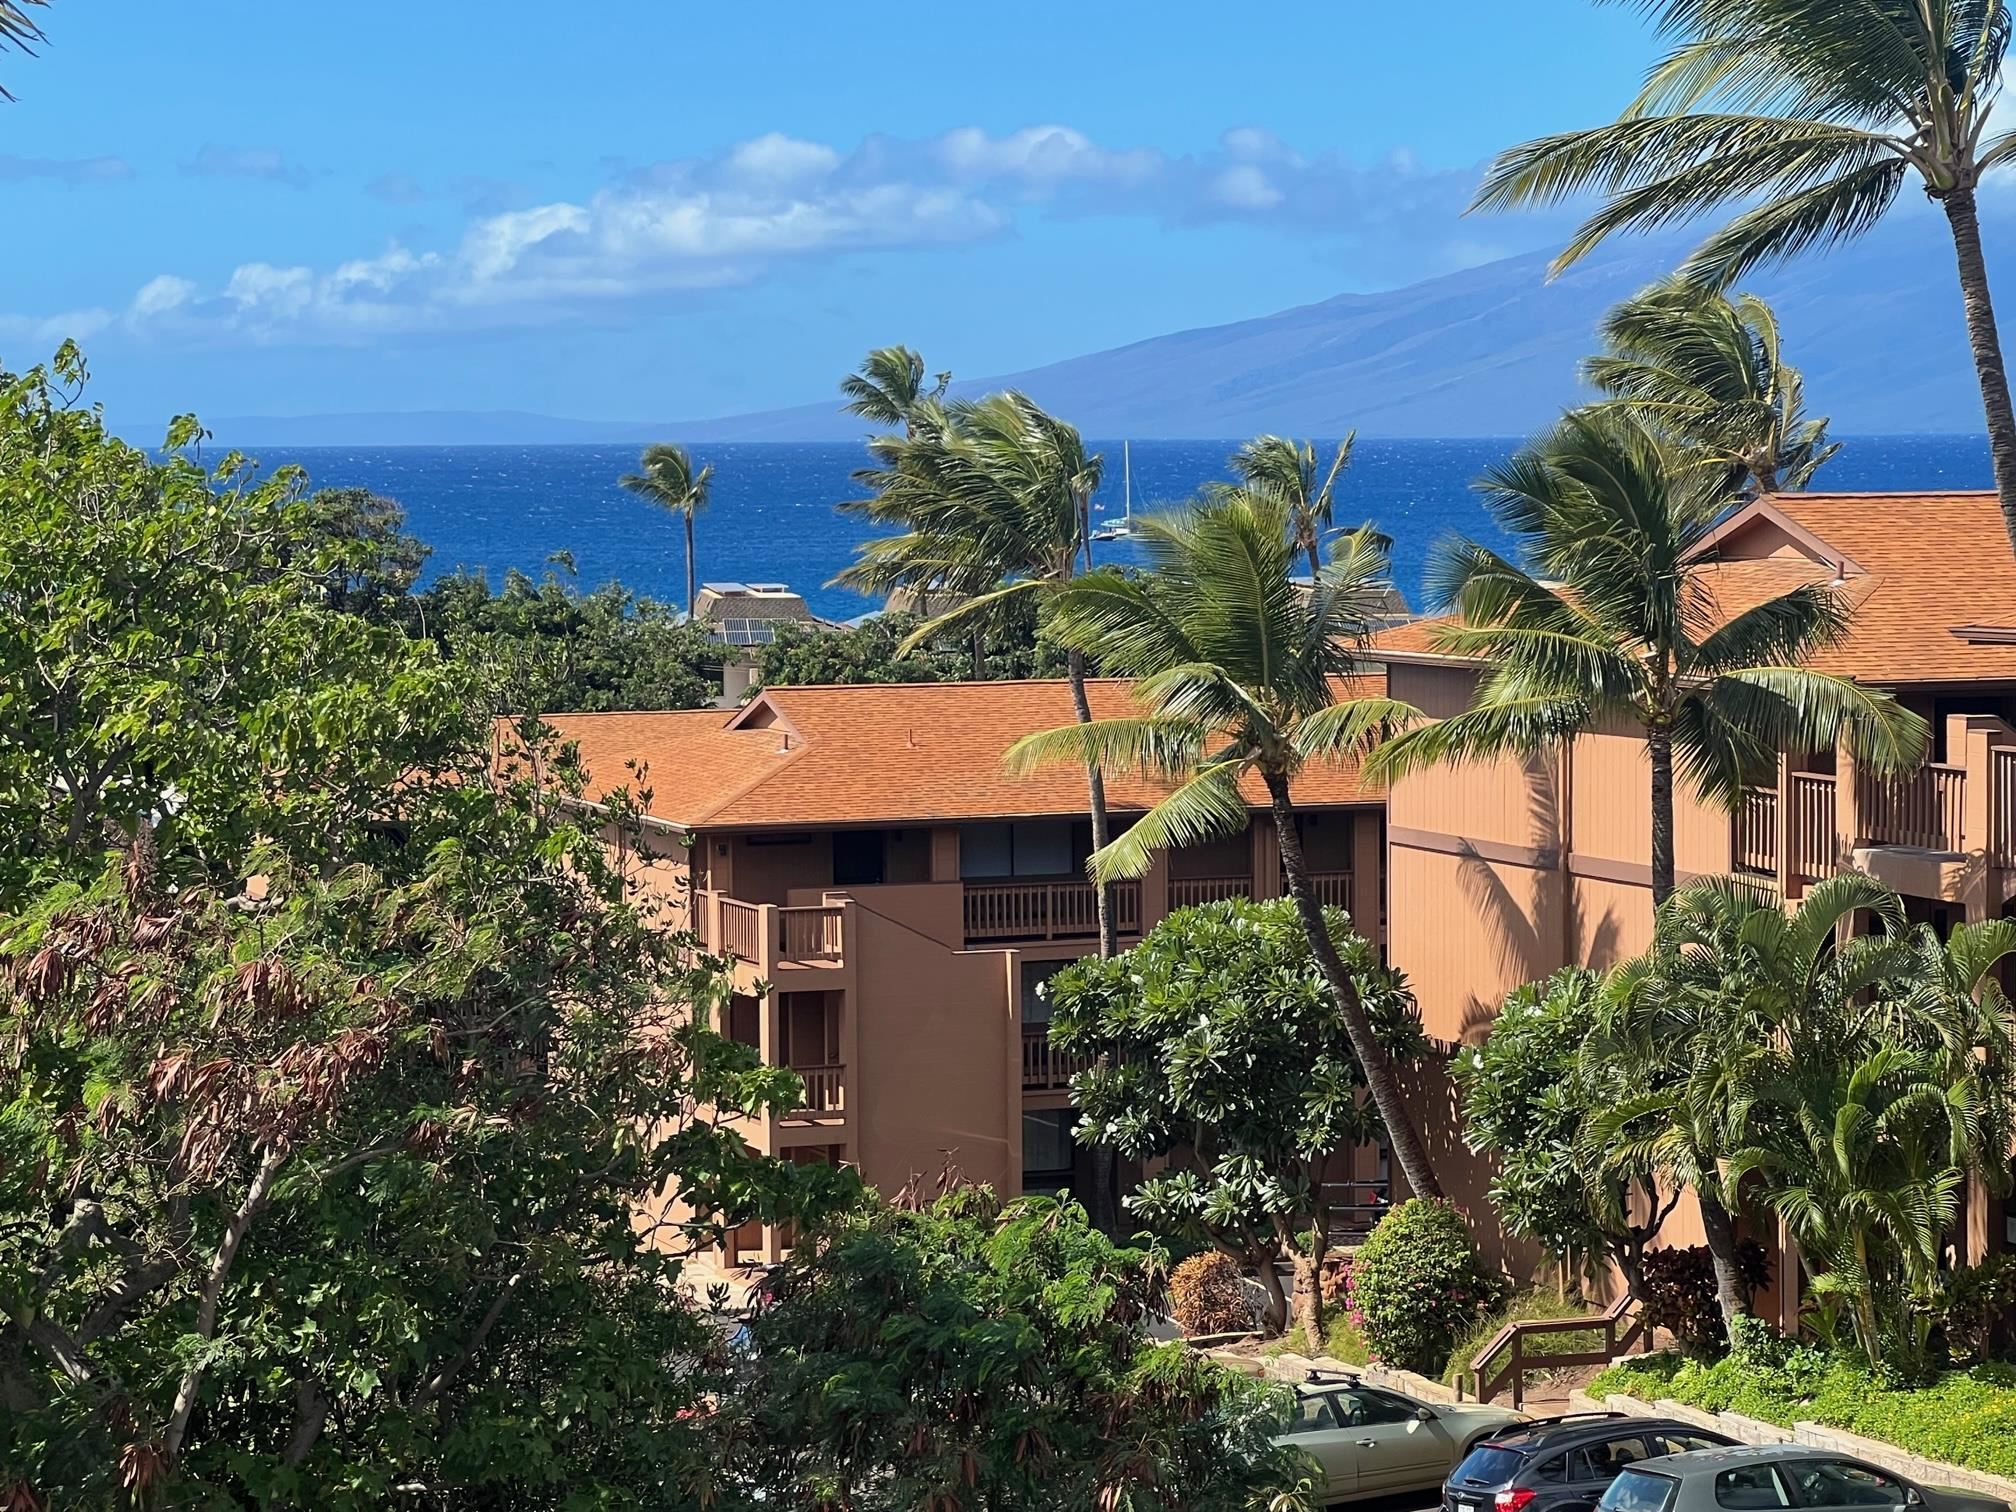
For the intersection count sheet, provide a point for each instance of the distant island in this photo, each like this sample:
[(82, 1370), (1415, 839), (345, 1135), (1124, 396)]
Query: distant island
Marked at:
[(1488, 351)]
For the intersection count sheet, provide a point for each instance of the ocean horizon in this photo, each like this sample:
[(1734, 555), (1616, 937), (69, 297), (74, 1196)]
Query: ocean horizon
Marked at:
[(772, 516)]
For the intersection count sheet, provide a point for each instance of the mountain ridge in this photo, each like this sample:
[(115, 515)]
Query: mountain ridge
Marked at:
[(1492, 350)]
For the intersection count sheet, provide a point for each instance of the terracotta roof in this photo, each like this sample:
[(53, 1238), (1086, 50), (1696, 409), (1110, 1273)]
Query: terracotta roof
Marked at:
[(877, 753), (1914, 569)]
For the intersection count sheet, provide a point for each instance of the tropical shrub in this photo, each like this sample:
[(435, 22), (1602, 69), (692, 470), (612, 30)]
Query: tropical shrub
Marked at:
[(1207, 1294), (1417, 1284), (1679, 1294), (1973, 1306)]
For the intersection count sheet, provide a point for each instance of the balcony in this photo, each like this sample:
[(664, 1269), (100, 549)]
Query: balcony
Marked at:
[(1753, 840), (1189, 892), (1332, 888), (1813, 843), (1923, 810), (825, 1091), (1050, 910), (795, 936), (1044, 1068), (2002, 817)]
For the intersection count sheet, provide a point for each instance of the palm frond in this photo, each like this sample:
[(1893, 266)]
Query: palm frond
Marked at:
[(1207, 806)]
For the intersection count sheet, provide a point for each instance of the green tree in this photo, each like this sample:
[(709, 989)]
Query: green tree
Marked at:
[(1614, 618), (1216, 1043), (668, 480), (372, 562), (1711, 370), (873, 653), (1287, 469), (357, 1121), (1810, 117), (1239, 674), (964, 1354), (888, 388), (993, 499), (1529, 1094)]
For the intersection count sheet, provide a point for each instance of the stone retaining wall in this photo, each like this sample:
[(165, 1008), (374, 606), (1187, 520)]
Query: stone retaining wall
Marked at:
[(1815, 1435)]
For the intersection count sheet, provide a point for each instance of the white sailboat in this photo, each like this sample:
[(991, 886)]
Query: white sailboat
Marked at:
[(1120, 529)]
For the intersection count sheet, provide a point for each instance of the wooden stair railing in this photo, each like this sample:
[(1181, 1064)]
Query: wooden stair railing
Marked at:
[(1620, 1325)]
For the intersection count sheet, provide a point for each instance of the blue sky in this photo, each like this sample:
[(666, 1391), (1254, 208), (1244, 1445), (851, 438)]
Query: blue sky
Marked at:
[(664, 211)]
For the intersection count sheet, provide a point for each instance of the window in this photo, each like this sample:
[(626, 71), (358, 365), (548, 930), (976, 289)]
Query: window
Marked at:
[(1030, 848), (1494, 1465), (1552, 1472), (1313, 1414), (1639, 1491), (1751, 1487), (1598, 1462), (1047, 1147), (857, 858), (1035, 1003), (1680, 1443), (1843, 1483), (1363, 1408)]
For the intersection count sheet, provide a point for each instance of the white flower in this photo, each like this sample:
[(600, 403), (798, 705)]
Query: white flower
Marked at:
[(1042, 989), (1477, 1059)]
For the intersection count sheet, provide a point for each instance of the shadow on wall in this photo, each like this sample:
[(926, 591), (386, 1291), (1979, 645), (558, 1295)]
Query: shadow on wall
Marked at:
[(1465, 1175)]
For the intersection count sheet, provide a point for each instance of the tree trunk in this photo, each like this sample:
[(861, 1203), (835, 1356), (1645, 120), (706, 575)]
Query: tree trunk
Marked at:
[(1987, 345), (1109, 929), (979, 654), (1274, 1316), (1309, 1283), (1718, 1228), (1408, 1151), (1315, 560), (689, 566), (1660, 739)]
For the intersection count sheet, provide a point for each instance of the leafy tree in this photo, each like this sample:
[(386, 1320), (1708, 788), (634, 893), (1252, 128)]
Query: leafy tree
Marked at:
[(1529, 1093), (1418, 1285), (1809, 117), (373, 562), (1239, 674), (544, 647), (1613, 617), (358, 1122), (888, 388), (667, 479), (993, 498), (1216, 1042), (1710, 370), (1287, 469), (970, 1355), (873, 652)]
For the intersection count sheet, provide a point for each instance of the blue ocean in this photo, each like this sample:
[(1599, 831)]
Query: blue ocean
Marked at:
[(772, 517)]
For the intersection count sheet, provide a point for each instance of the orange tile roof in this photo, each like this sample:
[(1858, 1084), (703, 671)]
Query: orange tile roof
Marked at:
[(877, 753), (1914, 567)]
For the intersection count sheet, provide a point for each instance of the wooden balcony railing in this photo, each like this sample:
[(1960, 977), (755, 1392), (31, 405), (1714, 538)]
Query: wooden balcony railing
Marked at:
[(825, 1089), (1922, 809), (1813, 838), (1188, 892), (1044, 1068), (741, 930), (1753, 842), (1333, 889), (1046, 910), (809, 934), (1506, 1359), (2002, 815)]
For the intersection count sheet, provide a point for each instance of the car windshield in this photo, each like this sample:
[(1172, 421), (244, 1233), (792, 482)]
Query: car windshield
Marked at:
[(1638, 1491), (1488, 1465)]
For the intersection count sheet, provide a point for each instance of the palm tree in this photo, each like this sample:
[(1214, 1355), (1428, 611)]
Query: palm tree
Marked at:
[(1710, 370), (668, 480), (992, 496), (1238, 673), (1810, 116), (889, 386), (1287, 469), (1618, 619), (17, 30), (1698, 1021)]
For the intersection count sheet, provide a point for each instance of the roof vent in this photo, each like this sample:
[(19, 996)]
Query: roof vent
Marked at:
[(1985, 635)]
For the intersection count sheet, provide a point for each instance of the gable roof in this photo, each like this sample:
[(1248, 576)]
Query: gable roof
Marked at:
[(879, 753), (1929, 578)]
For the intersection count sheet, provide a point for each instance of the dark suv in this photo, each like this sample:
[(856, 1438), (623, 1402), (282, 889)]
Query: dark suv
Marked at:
[(1563, 1464)]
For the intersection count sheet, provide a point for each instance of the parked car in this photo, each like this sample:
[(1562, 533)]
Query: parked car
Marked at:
[(1373, 1442), (1769, 1477), (1563, 1464)]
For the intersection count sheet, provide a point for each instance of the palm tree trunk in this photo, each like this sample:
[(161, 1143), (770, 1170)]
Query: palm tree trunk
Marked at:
[(1109, 931), (1987, 345), (1660, 739), (689, 565), (979, 654), (1718, 1229), (1408, 1151)]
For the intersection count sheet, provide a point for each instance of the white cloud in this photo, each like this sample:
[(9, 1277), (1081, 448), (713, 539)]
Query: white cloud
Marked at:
[(91, 170), (41, 335), (705, 222)]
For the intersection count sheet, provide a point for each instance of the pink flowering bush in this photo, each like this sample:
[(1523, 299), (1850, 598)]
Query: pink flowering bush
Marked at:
[(1418, 1284)]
